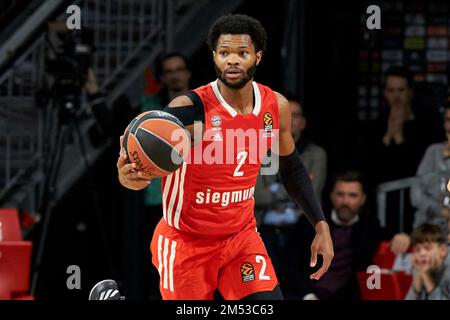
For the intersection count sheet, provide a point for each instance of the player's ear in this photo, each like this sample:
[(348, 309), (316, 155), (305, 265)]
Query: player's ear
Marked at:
[(214, 54), (258, 57)]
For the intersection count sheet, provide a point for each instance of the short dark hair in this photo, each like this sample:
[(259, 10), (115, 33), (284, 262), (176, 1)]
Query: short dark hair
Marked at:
[(427, 233), (350, 176), (238, 24), (399, 71), (160, 62)]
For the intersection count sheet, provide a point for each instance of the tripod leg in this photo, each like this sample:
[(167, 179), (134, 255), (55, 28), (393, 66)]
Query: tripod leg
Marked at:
[(48, 202), (95, 197)]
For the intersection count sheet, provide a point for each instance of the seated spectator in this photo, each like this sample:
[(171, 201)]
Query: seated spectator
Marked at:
[(173, 73), (275, 212), (401, 139), (431, 264), (356, 234), (430, 195), (269, 191), (313, 156), (402, 135)]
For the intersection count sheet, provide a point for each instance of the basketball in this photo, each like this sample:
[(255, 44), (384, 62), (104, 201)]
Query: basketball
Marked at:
[(157, 142)]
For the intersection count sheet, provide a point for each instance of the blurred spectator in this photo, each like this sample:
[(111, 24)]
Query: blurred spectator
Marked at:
[(98, 107), (275, 212), (402, 135), (430, 195), (431, 264), (402, 139), (356, 234), (173, 73), (313, 156), (268, 188), (172, 70), (111, 121)]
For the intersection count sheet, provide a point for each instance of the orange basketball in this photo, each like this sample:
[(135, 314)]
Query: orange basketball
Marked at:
[(157, 142)]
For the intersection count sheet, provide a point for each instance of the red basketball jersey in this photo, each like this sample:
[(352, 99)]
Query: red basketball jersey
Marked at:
[(211, 194)]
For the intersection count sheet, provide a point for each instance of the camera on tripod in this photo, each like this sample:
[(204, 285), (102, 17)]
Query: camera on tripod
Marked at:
[(69, 67)]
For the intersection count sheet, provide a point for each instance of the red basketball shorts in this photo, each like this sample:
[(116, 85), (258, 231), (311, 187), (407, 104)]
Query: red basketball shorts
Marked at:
[(191, 268)]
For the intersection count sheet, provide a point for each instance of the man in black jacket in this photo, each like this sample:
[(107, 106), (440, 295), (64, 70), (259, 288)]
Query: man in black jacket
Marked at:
[(356, 234)]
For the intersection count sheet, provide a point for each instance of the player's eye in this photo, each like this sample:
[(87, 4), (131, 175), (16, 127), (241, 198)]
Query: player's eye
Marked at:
[(244, 53), (223, 53)]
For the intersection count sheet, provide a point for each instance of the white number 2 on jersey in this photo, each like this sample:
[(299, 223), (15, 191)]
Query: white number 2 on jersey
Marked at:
[(241, 156)]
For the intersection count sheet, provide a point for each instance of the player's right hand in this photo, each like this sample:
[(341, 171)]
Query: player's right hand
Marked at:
[(129, 177)]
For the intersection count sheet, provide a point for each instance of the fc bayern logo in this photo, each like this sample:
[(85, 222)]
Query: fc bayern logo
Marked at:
[(216, 121)]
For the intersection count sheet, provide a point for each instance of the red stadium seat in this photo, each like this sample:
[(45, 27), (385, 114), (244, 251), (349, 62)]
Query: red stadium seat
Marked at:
[(9, 225), (24, 297), (15, 262), (393, 286), (384, 257), (404, 280), (15, 258)]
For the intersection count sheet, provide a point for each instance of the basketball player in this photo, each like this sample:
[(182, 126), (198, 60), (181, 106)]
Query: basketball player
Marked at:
[(207, 239)]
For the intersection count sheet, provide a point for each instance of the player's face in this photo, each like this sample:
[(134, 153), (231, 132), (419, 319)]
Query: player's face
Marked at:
[(347, 199), (235, 59), (397, 92)]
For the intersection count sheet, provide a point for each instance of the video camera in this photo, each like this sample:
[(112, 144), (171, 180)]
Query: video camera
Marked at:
[(70, 65)]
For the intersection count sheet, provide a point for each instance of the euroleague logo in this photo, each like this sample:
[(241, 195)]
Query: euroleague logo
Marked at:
[(247, 272), (268, 124)]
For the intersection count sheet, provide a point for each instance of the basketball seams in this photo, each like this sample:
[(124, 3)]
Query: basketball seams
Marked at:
[(168, 117), (136, 123), (127, 133), (164, 120), (163, 140)]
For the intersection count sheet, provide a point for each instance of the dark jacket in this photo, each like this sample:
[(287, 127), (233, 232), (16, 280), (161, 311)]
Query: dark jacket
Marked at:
[(294, 278)]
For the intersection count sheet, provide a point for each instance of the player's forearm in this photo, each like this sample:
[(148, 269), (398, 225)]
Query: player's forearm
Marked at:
[(298, 184)]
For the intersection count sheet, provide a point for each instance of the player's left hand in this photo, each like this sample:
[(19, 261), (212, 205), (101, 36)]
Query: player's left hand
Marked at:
[(323, 245)]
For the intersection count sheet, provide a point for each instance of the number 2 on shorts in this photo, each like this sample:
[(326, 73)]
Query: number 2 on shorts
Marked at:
[(262, 276)]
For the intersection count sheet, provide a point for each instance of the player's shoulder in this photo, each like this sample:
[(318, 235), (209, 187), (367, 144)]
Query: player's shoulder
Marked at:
[(186, 101), (181, 101), (283, 103), (267, 90), (263, 89)]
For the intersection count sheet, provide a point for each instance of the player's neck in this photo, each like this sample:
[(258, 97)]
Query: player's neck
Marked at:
[(240, 99)]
